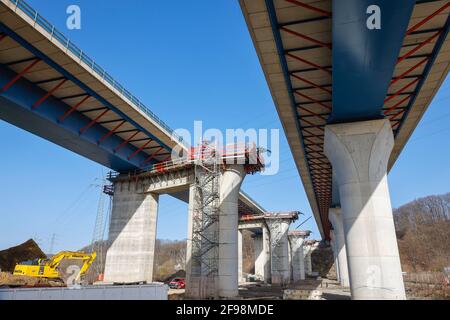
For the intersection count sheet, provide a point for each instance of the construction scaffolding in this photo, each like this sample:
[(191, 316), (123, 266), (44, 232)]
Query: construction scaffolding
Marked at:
[(205, 218)]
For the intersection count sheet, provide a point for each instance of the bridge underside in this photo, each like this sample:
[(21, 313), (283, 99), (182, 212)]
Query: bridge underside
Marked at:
[(324, 66), (351, 80)]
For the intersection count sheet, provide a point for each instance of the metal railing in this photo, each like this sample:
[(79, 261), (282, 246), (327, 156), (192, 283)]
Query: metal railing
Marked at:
[(70, 46)]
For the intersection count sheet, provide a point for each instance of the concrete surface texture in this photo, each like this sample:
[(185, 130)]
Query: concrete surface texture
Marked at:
[(359, 153), (132, 235), (240, 258), (297, 259), (334, 248), (307, 250), (230, 184), (336, 220), (261, 244), (279, 249)]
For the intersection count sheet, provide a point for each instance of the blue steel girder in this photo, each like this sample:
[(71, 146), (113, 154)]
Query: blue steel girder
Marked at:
[(365, 76), (95, 138), (16, 108), (364, 59)]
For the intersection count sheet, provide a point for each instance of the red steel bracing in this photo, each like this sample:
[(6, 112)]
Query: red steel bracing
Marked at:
[(313, 113), (152, 156), (398, 104), (94, 121), (392, 117), (312, 133), (131, 156), (409, 71), (307, 6), (20, 75), (123, 144), (311, 124), (313, 143), (311, 83), (431, 16), (401, 90), (404, 74), (75, 107), (48, 94), (419, 46), (303, 36), (396, 124), (111, 132), (313, 100), (312, 64)]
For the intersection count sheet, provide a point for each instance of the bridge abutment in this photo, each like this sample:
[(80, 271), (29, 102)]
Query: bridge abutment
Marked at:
[(359, 153)]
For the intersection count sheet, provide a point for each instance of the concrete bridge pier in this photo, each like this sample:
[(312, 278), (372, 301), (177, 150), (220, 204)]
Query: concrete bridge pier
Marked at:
[(334, 248), (261, 245), (307, 251), (335, 218), (132, 235), (296, 240), (224, 282), (279, 249), (240, 258), (359, 153), (230, 183)]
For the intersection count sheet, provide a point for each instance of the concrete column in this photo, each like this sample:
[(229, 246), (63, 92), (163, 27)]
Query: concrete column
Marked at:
[(307, 249), (279, 249), (240, 259), (290, 261), (297, 258), (267, 256), (261, 245), (334, 248), (132, 235), (258, 256), (230, 184), (359, 153), (335, 218), (193, 269)]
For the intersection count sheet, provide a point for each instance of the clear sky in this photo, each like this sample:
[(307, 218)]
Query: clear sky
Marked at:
[(186, 60)]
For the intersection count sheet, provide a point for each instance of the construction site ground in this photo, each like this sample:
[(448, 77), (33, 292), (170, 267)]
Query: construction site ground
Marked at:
[(310, 289)]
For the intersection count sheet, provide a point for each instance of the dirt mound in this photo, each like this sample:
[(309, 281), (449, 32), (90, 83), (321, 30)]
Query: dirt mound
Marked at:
[(9, 280), (28, 250)]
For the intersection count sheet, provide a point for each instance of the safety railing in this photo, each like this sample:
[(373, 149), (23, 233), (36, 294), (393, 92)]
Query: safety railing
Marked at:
[(70, 46)]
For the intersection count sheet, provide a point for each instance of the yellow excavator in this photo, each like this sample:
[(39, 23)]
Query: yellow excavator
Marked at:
[(49, 268)]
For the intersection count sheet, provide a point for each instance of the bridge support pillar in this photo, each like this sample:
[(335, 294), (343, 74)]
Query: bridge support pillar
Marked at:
[(240, 257), (224, 281), (230, 184), (279, 249), (261, 245), (297, 258), (307, 250), (334, 248), (339, 240), (359, 153), (132, 235)]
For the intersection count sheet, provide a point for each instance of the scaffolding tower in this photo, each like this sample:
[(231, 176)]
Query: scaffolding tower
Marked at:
[(205, 217)]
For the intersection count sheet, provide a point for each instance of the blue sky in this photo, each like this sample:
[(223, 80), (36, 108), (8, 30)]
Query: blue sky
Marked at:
[(186, 60)]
